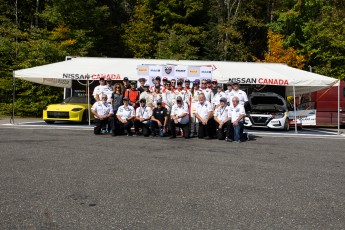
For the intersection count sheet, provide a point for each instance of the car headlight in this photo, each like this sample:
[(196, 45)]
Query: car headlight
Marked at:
[(279, 115), (76, 109)]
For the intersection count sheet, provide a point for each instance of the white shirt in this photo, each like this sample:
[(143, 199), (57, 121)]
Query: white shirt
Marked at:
[(227, 92), (203, 109), (168, 98), (217, 97), (99, 91), (235, 112), (108, 91), (177, 111), (185, 95), (222, 113), (242, 96), (144, 112), (102, 108), (148, 97), (208, 94), (125, 112)]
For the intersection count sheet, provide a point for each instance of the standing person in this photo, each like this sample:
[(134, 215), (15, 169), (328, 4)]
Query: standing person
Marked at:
[(116, 101), (173, 83), (236, 92), (223, 121), (133, 94), (165, 80), (108, 90), (220, 94), (194, 101), (179, 118), (168, 96), (179, 91), (228, 90), (214, 86), (204, 115), (159, 120), (157, 95), (147, 95), (157, 81), (187, 85), (207, 92), (99, 90), (236, 114), (142, 82), (143, 116), (103, 112), (126, 84), (125, 115)]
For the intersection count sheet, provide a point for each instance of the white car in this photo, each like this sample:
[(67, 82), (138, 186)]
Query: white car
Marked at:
[(267, 110)]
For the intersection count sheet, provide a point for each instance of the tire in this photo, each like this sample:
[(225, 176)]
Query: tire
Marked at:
[(287, 124), (49, 122)]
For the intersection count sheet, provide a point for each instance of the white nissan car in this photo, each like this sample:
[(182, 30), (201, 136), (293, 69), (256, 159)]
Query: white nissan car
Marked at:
[(267, 110)]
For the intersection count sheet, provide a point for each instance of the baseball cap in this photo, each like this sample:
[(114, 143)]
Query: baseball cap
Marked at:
[(125, 78), (158, 78), (179, 98), (133, 83), (229, 83), (195, 82), (125, 99), (208, 80), (187, 80), (223, 99), (214, 80), (109, 80), (101, 78), (143, 100), (219, 86), (235, 82), (165, 78)]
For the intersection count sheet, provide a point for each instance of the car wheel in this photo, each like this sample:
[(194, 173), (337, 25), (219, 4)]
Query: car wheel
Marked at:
[(287, 124), (50, 122)]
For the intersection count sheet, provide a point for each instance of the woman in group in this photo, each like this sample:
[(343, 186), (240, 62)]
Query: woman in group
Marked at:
[(194, 100)]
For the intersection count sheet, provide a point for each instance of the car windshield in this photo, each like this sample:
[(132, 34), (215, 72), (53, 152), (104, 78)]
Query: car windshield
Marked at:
[(75, 100)]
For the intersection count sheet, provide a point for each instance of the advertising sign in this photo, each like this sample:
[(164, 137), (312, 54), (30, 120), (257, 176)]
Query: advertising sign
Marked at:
[(307, 117)]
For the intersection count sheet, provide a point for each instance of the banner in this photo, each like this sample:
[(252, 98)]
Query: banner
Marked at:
[(155, 70), (143, 70), (307, 117), (205, 72), (181, 72)]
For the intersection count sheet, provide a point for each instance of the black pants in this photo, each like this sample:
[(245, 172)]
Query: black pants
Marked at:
[(207, 130), (184, 127), (221, 134), (154, 128), (143, 126), (101, 123), (125, 126)]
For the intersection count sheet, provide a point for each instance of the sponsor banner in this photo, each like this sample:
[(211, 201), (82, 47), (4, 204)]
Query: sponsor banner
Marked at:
[(260, 81), (181, 71), (155, 70), (307, 117), (95, 76), (205, 72), (142, 70), (193, 71)]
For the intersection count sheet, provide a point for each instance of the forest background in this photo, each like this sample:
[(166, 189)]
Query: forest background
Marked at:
[(306, 34)]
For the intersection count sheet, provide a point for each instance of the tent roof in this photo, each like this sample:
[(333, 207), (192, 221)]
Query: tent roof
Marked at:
[(61, 73)]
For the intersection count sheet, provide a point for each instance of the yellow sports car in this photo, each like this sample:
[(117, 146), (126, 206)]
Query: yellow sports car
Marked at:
[(71, 109)]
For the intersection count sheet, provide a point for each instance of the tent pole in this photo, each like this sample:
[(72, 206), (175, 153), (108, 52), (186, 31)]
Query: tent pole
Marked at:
[(13, 98), (88, 101), (294, 107), (339, 107)]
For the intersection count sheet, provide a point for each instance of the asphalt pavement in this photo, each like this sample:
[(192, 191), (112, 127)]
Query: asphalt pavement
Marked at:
[(54, 178)]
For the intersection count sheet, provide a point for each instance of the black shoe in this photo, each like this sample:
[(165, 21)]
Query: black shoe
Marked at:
[(172, 137), (208, 138)]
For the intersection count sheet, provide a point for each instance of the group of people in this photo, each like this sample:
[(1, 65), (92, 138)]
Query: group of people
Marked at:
[(170, 108)]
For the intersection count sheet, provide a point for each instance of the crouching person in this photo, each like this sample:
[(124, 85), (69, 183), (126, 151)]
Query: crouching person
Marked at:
[(221, 116), (159, 120), (236, 114), (143, 116), (125, 115), (103, 112), (180, 118)]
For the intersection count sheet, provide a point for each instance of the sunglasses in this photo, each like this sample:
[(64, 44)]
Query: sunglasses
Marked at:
[(203, 83)]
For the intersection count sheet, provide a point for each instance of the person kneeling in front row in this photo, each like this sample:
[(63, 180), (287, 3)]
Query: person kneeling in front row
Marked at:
[(103, 112), (223, 121), (179, 118), (125, 115), (159, 120), (143, 116)]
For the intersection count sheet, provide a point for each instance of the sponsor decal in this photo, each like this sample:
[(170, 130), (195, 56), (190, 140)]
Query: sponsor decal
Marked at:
[(193, 71), (168, 69), (142, 69), (181, 70)]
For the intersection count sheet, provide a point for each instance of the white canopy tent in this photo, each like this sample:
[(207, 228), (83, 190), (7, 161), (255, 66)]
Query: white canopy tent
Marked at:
[(82, 68)]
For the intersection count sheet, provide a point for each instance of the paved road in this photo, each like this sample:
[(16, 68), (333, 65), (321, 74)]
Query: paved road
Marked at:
[(71, 179)]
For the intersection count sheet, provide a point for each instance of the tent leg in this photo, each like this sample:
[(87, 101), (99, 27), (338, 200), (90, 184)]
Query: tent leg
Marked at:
[(339, 107), (88, 101), (13, 97), (294, 107)]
